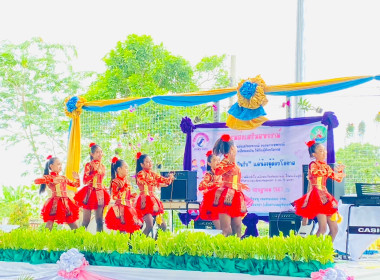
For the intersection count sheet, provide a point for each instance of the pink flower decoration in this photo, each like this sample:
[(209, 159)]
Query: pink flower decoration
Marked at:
[(214, 107), (132, 108), (150, 138)]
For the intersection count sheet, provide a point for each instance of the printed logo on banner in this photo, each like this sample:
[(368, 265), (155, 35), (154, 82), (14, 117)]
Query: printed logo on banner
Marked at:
[(200, 140), (319, 133)]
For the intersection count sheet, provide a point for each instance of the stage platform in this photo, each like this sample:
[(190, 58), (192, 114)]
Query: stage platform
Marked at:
[(368, 268)]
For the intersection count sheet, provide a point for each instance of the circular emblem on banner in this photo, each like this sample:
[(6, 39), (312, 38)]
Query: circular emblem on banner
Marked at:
[(319, 133), (200, 140)]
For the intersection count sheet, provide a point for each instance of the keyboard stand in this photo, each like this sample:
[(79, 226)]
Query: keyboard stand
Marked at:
[(345, 257), (187, 210)]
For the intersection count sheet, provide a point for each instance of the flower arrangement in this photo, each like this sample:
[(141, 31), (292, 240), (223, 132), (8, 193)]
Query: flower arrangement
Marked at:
[(72, 265), (331, 274)]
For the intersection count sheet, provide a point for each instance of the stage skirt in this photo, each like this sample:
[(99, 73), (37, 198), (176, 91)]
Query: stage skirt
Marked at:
[(60, 210), (207, 210), (315, 205), (149, 204), (123, 218), (227, 201), (91, 199)]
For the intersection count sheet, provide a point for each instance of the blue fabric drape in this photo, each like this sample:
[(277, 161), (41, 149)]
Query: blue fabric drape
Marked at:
[(246, 114), (190, 100)]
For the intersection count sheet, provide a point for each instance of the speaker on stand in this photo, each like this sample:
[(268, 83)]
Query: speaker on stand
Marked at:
[(284, 222), (183, 188)]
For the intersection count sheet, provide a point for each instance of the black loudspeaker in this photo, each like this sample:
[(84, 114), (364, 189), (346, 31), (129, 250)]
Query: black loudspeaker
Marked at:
[(283, 221), (333, 187), (201, 224), (184, 187)]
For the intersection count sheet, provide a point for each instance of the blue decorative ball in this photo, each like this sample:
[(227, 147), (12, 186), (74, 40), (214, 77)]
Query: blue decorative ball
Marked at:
[(248, 89), (71, 105)]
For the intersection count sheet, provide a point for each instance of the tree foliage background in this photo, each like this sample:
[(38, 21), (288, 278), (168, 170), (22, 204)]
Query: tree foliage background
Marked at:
[(35, 78), (138, 67), (362, 161)]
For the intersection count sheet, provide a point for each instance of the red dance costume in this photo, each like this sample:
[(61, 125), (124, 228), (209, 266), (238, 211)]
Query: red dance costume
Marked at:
[(320, 200), (229, 199), (93, 194), (122, 216), (59, 208), (207, 210), (147, 202)]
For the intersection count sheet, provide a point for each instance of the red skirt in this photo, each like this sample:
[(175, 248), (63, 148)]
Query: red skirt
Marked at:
[(60, 210), (207, 210), (92, 202), (128, 220), (237, 208), (315, 205), (152, 205)]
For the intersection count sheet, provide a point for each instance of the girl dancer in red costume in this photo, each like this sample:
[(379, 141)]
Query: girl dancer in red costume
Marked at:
[(231, 202), (210, 181), (93, 196), (318, 202), (147, 203), (122, 216), (58, 208)]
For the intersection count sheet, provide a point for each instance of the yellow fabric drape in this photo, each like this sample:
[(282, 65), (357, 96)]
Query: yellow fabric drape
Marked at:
[(237, 124), (308, 85), (102, 103), (74, 149)]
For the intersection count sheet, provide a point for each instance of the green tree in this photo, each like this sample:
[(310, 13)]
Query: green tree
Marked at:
[(20, 214), (361, 129), (362, 163), (350, 130), (35, 78), (211, 72), (137, 68), (27, 195)]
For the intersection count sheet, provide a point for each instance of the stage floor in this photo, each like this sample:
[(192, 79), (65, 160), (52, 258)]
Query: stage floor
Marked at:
[(13, 270), (367, 268)]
